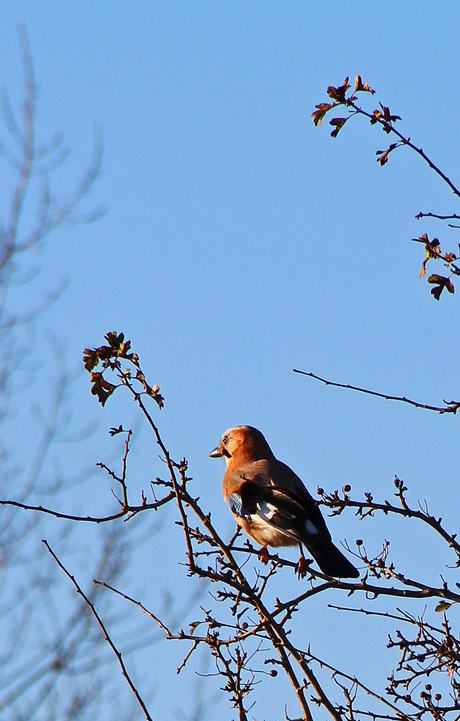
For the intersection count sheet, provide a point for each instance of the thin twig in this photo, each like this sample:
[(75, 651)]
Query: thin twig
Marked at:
[(132, 510), (454, 216), (104, 631), (407, 141), (448, 409)]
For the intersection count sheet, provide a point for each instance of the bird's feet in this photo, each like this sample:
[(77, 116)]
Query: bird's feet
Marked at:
[(263, 555), (303, 566)]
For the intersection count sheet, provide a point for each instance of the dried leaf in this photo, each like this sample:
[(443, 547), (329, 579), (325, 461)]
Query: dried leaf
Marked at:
[(338, 93), (359, 85), (319, 114), (441, 282), (437, 279), (90, 358), (383, 159), (387, 115), (152, 391), (442, 606), (101, 388), (338, 123)]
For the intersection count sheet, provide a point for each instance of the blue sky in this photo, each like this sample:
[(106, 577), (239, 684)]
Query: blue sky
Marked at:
[(240, 242)]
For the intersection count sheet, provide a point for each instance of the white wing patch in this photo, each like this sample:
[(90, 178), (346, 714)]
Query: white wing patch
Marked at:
[(267, 510), (310, 528)]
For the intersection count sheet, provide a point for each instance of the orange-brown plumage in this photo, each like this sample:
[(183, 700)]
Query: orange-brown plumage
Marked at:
[(270, 502)]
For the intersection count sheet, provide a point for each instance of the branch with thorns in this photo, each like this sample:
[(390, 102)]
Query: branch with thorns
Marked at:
[(237, 639)]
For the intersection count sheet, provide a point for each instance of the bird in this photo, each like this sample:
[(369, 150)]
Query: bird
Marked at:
[(272, 505)]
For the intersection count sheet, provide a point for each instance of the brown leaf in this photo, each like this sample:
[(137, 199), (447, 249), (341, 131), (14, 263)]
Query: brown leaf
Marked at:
[(90, 358), (440, 282), (152, 391), (442, 606), (432, 250), (383, 159), (156, 395), (359, 85), (338, 93), (387, 115), (115, 340), (101, 388), (437, 279), (319, 114), (338, 123)]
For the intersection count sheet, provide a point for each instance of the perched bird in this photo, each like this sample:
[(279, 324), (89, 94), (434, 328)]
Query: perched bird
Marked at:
[(271, 503)]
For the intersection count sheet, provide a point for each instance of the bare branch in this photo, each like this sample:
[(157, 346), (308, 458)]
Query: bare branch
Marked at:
[(104, 631), (450, 407)]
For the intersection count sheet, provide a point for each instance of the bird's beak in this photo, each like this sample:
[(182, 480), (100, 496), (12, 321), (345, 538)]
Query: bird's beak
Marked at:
[(217, 452)]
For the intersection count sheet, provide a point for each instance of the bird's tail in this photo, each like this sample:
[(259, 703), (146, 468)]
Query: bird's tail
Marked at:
[(331, 561)]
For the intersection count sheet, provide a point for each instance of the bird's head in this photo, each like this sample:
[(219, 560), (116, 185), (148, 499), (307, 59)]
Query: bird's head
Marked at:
[(244, 442)]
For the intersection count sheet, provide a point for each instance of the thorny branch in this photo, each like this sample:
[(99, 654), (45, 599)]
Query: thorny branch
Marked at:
[(235, 639)]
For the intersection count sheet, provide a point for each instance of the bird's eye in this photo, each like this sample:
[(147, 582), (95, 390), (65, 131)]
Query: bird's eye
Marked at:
[(226, 440)]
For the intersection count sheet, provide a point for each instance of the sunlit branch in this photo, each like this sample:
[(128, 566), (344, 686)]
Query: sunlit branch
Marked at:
[(129, 510)]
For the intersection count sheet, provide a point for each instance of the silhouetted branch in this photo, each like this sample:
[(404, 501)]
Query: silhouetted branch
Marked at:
[(104, 631), (454, 216), (127, 510), (451, 406), (387, 121)]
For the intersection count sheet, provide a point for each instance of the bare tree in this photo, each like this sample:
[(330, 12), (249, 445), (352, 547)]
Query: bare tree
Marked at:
[(251, 636), (53, 664), (48, 646), (249, 624)]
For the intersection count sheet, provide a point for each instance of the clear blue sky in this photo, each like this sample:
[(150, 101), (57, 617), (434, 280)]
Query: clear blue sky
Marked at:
[(241, 242)]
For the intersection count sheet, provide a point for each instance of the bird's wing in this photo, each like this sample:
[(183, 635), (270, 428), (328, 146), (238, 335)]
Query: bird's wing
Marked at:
[(283, 477), (270, 492), (279, 508)]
